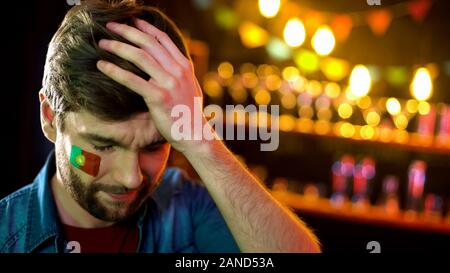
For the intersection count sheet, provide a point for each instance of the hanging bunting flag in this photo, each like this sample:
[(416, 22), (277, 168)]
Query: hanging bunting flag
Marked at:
[(418, 9), (341, 25), (379, 21)]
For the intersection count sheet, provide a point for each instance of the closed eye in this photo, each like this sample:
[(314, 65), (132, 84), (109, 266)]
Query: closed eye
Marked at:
[(152, 148), (155, 146), (103, 148)]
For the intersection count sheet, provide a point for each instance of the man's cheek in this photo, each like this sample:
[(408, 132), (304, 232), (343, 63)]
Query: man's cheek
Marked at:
[(85, 161)]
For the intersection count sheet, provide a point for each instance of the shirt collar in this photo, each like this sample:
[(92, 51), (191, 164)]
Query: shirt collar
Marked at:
[(171, 184), (42, 213)]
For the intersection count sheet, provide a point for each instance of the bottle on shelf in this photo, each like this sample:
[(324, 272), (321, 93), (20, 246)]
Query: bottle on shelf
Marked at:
[(416, 183), (443, 138), (432, 207), (280, 184), (389, 199), (363, 175), (342, 171)]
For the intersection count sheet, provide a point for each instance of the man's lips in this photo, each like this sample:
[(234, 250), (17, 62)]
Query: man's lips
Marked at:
[(122, 196)]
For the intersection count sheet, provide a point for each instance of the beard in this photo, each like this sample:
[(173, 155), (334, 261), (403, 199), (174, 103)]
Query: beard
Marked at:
[(87, 194)]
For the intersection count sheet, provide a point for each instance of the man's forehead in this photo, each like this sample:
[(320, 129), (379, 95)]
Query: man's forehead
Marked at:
[(84, 117), (139, 125)]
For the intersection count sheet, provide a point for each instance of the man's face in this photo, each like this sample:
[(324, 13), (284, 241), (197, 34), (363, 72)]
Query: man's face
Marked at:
[(133, 158)]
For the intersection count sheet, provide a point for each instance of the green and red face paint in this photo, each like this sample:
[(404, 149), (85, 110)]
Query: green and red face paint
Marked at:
[(85, 161)]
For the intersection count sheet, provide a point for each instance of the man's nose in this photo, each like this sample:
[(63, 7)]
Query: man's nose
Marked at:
[(127, 171)]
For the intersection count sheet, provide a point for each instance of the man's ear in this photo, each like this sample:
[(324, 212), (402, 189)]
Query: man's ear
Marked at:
[(48, 123)]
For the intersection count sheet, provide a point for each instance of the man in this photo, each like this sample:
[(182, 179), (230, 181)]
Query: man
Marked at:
[(113, 73)]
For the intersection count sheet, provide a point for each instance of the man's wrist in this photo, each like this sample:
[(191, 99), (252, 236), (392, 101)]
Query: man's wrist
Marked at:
[(201, 144), (199, 148)]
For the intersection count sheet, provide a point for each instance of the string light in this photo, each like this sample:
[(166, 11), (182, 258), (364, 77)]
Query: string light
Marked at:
[(367, 132), (307, 60), (323, 41), (212, 88), (294, 32), (347, 130), (252, 35), (293, 88), (250, 80), (322, 127), (423, 108), (401, 121), (345, 110), (373, 118), (306, 111), (422, 86), (287, 123), (324, 114), (304, 125), (288, 101), (360, 81), (412, 106), (290, 73), (225, 70), (273, 82), (332, 90), (393, 106), (278, 49), (262, 97), (334, 69), (364, 102), (269, 8), (314, 88)]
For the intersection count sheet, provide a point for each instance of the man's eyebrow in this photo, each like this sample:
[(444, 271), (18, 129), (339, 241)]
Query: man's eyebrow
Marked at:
[(112, 141), (99, 138), (155, 143)]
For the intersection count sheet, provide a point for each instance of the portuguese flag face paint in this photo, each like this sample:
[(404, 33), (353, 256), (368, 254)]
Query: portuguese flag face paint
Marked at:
[(85, 161)]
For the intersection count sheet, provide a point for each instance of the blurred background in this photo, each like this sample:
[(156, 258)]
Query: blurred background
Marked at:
[(363, 89)]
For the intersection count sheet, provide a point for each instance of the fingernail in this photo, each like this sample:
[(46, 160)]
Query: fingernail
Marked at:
[(138, 21), (103, 42), (101, 64)]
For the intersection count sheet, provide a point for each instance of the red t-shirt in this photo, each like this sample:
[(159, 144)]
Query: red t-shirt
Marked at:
[(118, 238)]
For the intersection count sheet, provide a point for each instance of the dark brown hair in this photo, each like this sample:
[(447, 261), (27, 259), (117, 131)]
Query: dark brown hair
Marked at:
[(72, 81)]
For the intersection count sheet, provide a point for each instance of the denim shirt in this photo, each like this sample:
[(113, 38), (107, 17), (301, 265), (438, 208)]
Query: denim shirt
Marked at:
[(180, 216)]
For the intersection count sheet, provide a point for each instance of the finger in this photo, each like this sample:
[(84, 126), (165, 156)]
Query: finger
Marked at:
[(148, 43), (148, 90), (165, 40), (138, 57)]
